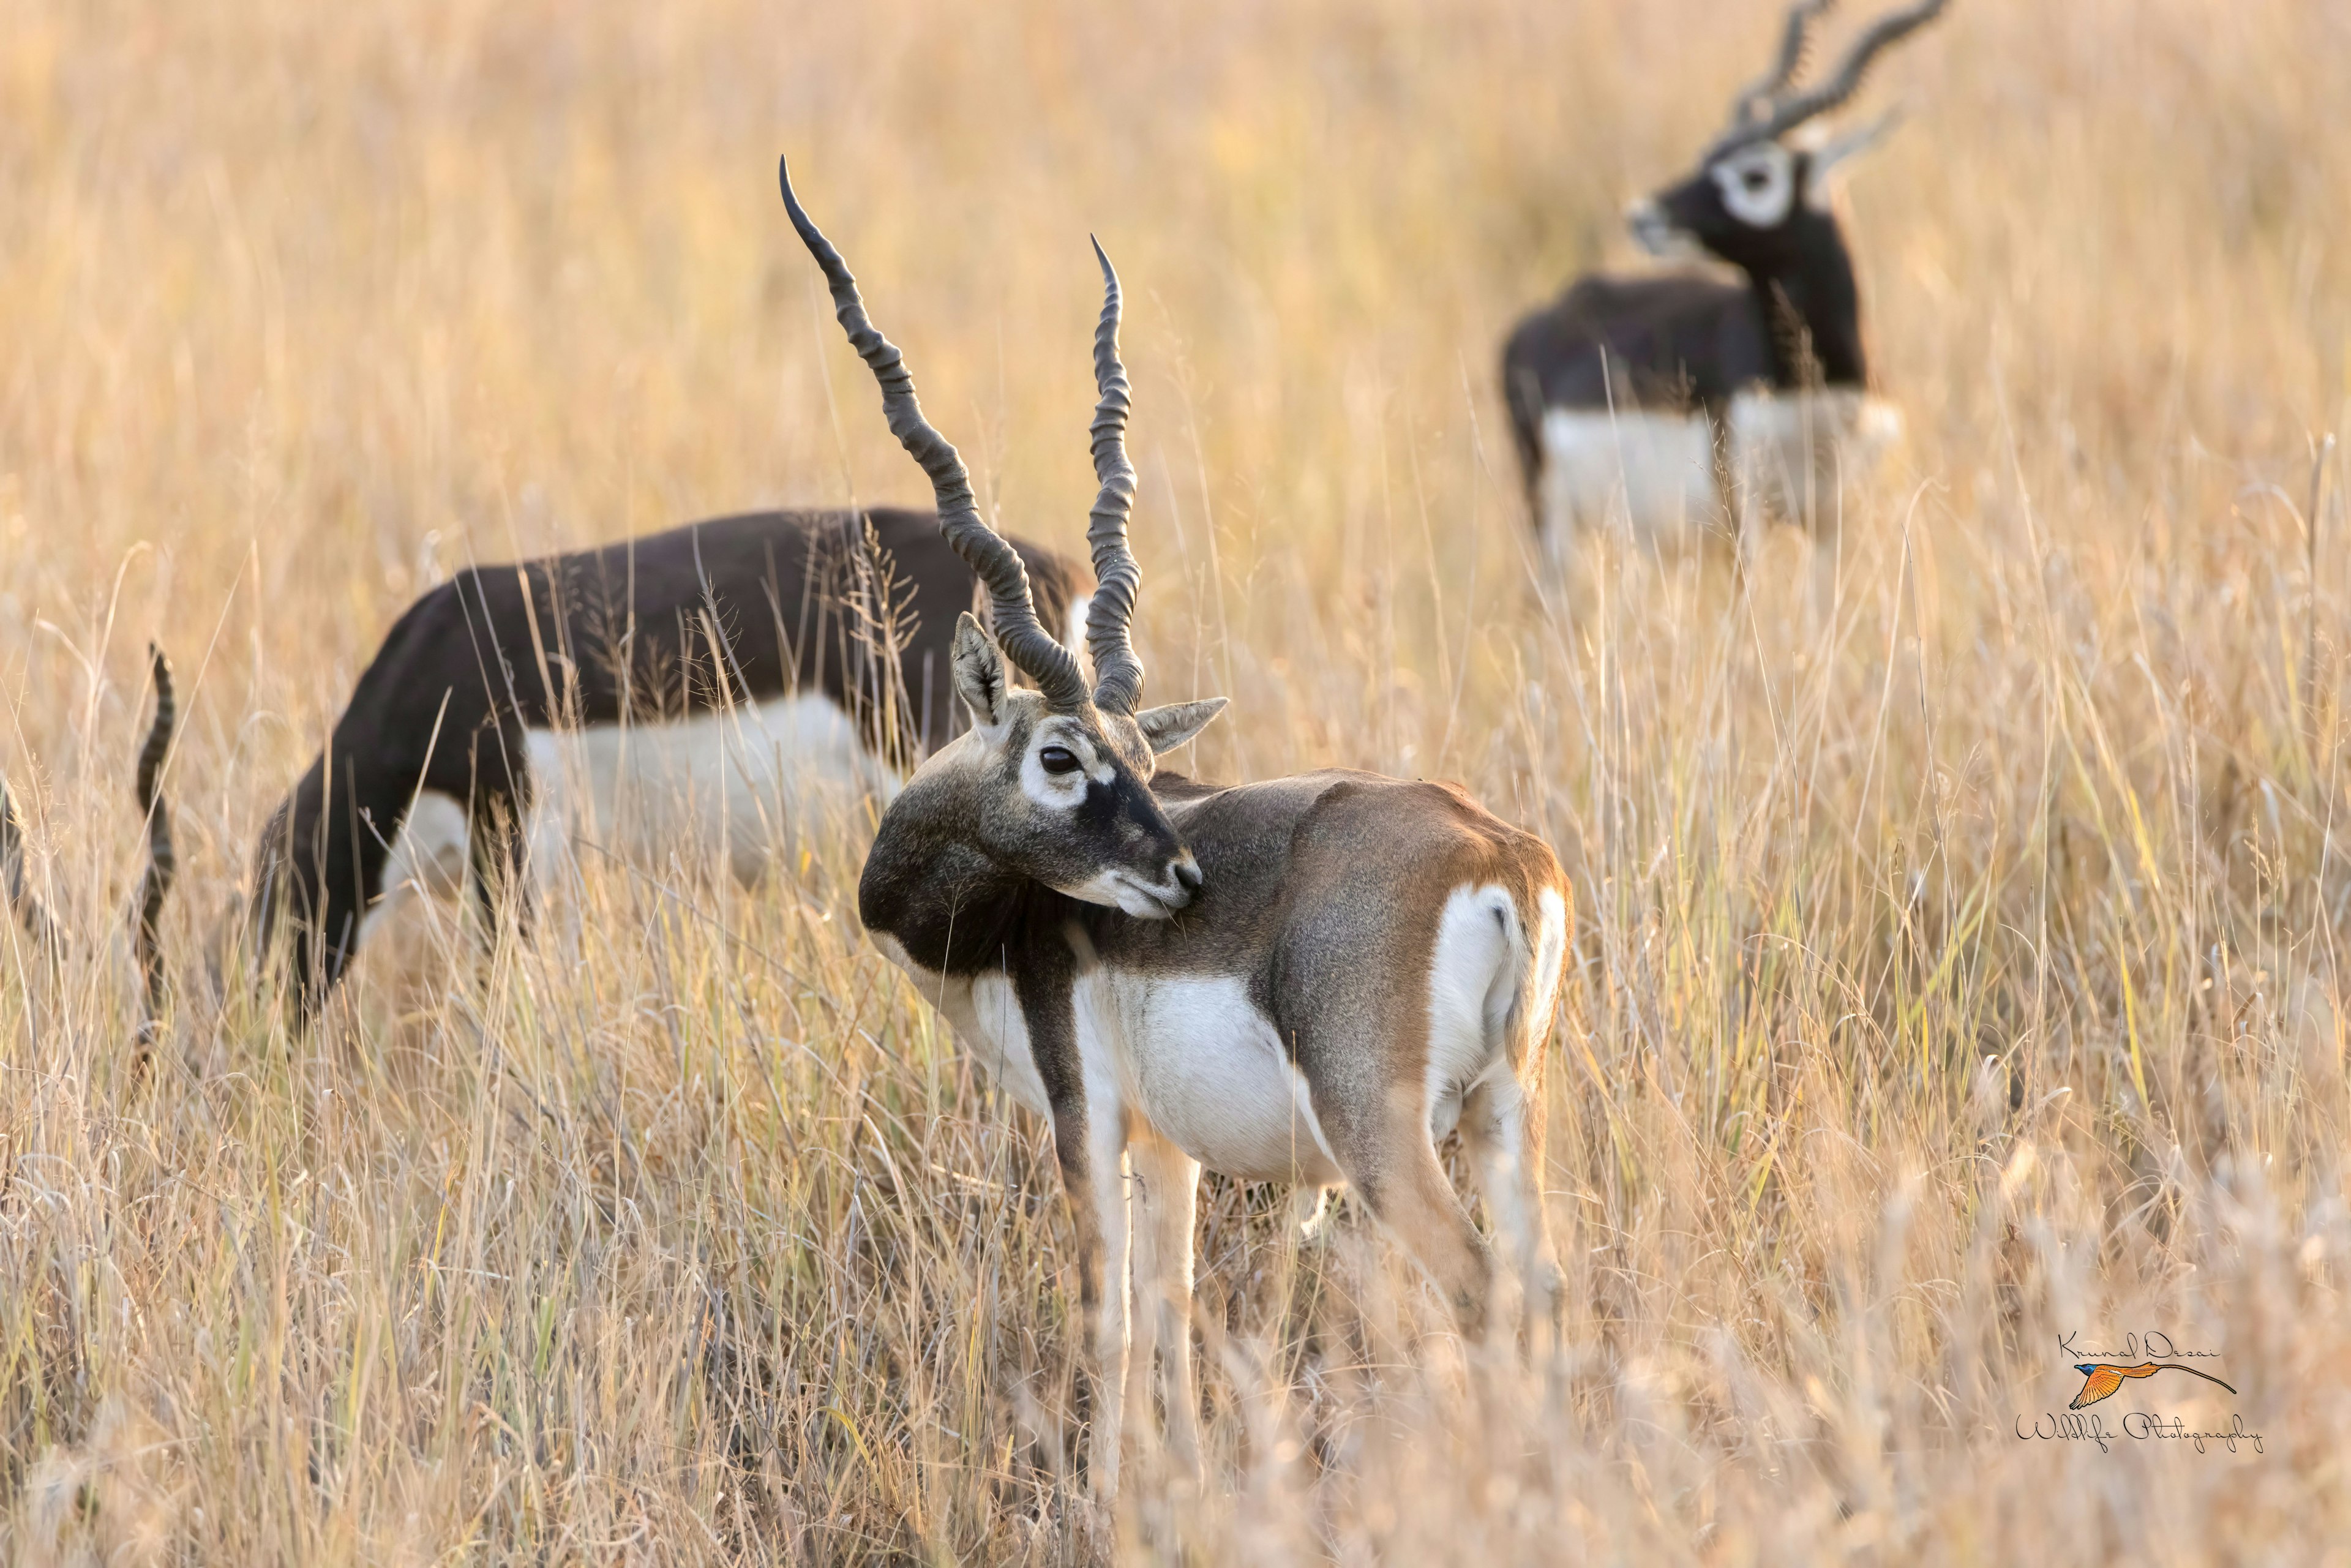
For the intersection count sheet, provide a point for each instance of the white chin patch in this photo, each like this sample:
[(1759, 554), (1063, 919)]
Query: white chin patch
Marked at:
[(1758, 183), (1121, 891)]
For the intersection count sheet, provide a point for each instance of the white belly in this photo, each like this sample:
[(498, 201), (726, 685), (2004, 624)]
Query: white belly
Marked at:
[(1794, 455), (1650, 472), (1193, 1057), (1196, 1058), (1188, 1054), (739, 784)]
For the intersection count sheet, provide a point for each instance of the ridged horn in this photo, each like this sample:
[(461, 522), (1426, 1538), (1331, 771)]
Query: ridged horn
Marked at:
[(1795, 36), (1031, 649), (162, 864), (1118, 674), (1874, 40)]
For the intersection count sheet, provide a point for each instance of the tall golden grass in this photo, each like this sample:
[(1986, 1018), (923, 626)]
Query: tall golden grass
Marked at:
[(1958, 960)]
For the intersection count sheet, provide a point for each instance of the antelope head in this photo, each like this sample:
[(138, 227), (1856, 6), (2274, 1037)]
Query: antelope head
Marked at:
[(1053, 784), (1762, 184)]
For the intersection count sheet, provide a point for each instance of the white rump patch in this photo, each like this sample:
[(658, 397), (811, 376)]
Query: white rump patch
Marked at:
[(1473, 982), (1550, 961)]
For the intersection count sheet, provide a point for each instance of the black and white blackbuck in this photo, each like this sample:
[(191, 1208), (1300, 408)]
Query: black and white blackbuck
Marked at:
[(677, 691), (1311, 980), (1684, 400)]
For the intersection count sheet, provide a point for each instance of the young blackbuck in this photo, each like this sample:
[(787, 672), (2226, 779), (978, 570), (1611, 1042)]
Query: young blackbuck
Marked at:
[(683, 690), (1309, 980), (1690, 400)]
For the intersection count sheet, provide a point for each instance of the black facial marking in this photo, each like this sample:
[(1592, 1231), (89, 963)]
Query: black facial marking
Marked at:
[(1100, 807), (1800, 274), (965, 856)]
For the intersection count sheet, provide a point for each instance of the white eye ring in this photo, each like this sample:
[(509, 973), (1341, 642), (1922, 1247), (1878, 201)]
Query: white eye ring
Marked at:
[(1757, 184)]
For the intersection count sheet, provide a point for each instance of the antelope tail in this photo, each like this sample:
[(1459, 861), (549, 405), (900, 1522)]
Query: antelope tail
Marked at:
[(21, 899), (162, 865)]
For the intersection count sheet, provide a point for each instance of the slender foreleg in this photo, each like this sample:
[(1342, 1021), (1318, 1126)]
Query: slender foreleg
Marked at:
[(1113, 1319), (1090, 1145), (496, 838), (1167, 1193)]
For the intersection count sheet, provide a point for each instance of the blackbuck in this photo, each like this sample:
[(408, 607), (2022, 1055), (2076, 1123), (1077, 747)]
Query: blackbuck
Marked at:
[(1693, 402), (46, 935), (1309, 980), (687, 691)]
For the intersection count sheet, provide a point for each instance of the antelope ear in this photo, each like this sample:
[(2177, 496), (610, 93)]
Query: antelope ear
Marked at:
[(980, 675), (1829, 155), (1166, 728)]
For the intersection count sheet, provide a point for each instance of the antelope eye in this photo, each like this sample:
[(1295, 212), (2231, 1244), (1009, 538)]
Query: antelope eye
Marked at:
[(1757, 179), (1058, 760)]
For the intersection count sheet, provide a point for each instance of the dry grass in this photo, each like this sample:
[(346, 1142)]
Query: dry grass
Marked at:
[(1957, 963)]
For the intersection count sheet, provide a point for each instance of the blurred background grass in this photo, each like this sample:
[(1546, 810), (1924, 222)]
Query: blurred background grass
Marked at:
[(1958, 960)]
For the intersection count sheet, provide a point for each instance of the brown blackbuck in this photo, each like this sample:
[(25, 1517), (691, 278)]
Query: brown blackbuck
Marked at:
[(1310, 980)]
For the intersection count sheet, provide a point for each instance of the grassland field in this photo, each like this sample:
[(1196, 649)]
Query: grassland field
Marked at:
[(1958, 962)]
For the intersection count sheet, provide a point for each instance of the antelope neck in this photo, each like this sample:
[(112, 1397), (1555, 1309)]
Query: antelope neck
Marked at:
[(1814, 282), (951, 908)]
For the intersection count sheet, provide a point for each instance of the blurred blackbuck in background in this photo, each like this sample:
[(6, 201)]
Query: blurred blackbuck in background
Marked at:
[(1311, 980), (1684, 400)]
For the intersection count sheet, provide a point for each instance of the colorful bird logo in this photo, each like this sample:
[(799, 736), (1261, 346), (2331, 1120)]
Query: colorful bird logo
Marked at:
[(2101, 1379)]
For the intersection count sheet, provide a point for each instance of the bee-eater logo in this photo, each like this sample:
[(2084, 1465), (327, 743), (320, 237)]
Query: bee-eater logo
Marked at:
[(2100, 1379)]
